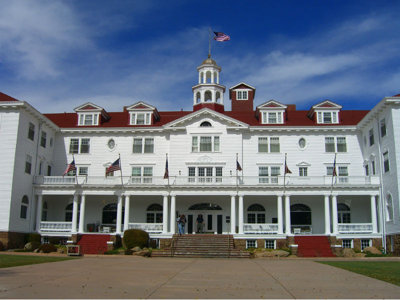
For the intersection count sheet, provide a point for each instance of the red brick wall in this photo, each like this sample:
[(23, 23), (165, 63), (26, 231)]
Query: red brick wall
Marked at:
[(242, 105)]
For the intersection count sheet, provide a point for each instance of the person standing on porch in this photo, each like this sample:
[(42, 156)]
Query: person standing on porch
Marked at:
[(181, 224), (200, 223)]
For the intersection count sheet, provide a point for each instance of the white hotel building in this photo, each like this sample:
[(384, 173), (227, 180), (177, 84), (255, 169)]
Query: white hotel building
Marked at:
[(358, 206)]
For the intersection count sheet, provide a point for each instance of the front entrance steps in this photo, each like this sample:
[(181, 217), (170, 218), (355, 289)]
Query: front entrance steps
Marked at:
[(313, 246), (202, 245), (93, 243)]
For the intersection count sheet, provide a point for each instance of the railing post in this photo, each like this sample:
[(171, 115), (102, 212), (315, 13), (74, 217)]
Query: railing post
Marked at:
[(327, 215), (39, 212), (233, 214), (126, 216), (172, 216), (279, 214), (82, 214), (287, 215), (165, 214), (241, 214), (334, 215), (373, 214), (74, 213)]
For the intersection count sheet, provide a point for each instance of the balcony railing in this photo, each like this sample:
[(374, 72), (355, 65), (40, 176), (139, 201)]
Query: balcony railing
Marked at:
[(209, 180), (149, 227), (355, 228), (49, 227), (260, 228)]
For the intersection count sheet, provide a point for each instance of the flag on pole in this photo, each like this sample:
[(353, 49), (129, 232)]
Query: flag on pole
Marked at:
[(334, 167), (221, 37), (166, 173), (287, 171), (71, 167), (114, 167), (238, 166)]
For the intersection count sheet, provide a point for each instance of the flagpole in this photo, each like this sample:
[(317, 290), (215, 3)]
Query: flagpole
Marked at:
[(284, 176), (209, 42), (166, 157), (120, 168), (333, 172), (76, 170), (237, 174)]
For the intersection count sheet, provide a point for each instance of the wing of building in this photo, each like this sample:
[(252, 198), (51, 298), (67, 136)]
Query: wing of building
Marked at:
[(264, 175)]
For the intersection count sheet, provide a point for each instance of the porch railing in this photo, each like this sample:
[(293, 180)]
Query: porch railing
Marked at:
[(209, 180), (260, 228), (355, 228), (149, 227), (301, 229), (46, 226)]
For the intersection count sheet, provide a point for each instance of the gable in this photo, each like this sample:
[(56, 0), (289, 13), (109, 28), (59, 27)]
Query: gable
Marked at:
[(88, 106), (140, 106), (272, 104)]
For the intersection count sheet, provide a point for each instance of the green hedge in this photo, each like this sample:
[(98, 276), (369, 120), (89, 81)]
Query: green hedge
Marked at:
[(135, 238)]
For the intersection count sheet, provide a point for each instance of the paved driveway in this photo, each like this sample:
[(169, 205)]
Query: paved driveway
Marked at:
[(137, 277)]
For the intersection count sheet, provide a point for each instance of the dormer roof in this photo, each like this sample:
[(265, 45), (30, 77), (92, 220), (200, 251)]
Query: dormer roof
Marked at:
[(325, 105), (241, 85), (271, 104), (142, 106), (91, 107)]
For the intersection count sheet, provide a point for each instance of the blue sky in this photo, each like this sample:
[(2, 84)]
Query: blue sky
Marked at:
[(58, 55)]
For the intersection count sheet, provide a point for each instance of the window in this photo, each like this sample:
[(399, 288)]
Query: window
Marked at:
[(383, 127), (272, 117), (270, 244), (205, 144), (267, 174), (347, 243), (205, 174), (44, 211), (343, 174), (43, 139), (48, 170), (28, 164), (343, 212), (303, 171), (84, 146), (69, 211), (88, 119), (373, 167), (274, 145), (143, 145), (371, 137), (251, 244), (205, 124), (140, 118), (24, 207), (110, 214), (302, 143), (154, 214), (40, 168), (366, 167), (256, 214), (83, 171), (142, 174), (389, 208), (339, 146), (241, 95), (386, 166), (327, 117), (365, 244), (31, 132)]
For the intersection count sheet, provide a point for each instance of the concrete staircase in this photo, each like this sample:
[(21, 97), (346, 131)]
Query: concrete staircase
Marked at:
[(202, 245), (93, 243), (313, 246)]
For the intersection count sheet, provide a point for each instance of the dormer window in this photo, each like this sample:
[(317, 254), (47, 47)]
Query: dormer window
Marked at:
[(88, 119), (140, 118), (242, 95), (272, 117), (327, 117)]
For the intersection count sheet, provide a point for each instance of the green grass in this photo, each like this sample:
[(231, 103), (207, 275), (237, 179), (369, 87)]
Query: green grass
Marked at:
[(388, 271), (7, 261)]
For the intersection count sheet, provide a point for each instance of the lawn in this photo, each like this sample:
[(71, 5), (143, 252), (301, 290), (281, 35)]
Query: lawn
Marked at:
[(7, 261), (388, 271)]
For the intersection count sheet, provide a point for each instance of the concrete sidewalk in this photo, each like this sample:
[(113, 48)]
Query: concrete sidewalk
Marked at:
[(138, 277)]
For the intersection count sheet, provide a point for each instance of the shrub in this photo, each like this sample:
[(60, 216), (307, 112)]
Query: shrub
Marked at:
[(31, 246), (135, 238), (47, 248)]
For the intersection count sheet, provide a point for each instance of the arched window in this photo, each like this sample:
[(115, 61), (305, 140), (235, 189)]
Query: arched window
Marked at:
[(154, 213), (205, 124), (198, 97), (24, 207), (218, 97), (300, 214), (216, 77), (344, 215), (207, 96), (205, 206), (68, 212), (389, 208), (44, 211), (256, 214), (201, 77), (208, 77)]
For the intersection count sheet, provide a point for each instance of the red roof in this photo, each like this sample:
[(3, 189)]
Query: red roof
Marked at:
[(6, 98), (293, 118)]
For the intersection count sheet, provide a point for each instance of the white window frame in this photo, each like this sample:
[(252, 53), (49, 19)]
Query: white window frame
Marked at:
[(31, 131), (336, 144), (348, 240), (371, 139), (386, 162), (80, 145), (362, 241), (134, 117), (88, 119), (265, 244), (265, 117), (145, 176), (204, 174), (382, 127), (242, 95), (389, 207), (267, 173), (43, 139), (270, 143), (143, 145), (215, 143), (251, 246), (28, 164), (303, 171), (323, 116), (82, 172)]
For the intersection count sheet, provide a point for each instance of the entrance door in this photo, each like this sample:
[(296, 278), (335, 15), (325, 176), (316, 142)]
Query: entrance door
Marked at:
[(219, 224), (190, 224)]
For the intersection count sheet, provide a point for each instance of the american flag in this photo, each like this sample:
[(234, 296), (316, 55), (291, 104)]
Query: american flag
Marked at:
[(287, 171), (71, 167), (166, 174), (334, 167), (114, 167), (221, 37), (238, 166)]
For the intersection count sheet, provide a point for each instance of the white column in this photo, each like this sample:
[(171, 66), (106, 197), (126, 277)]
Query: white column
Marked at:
[(212, 77), (373, 214), (241, 215), (327, 215), (126, 214), (334, 215), (119, 214), (74, 214), (279, 214), (233, 214), (82, 214), (172, 216), (288, 224), (165, 214), (39, 212)]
